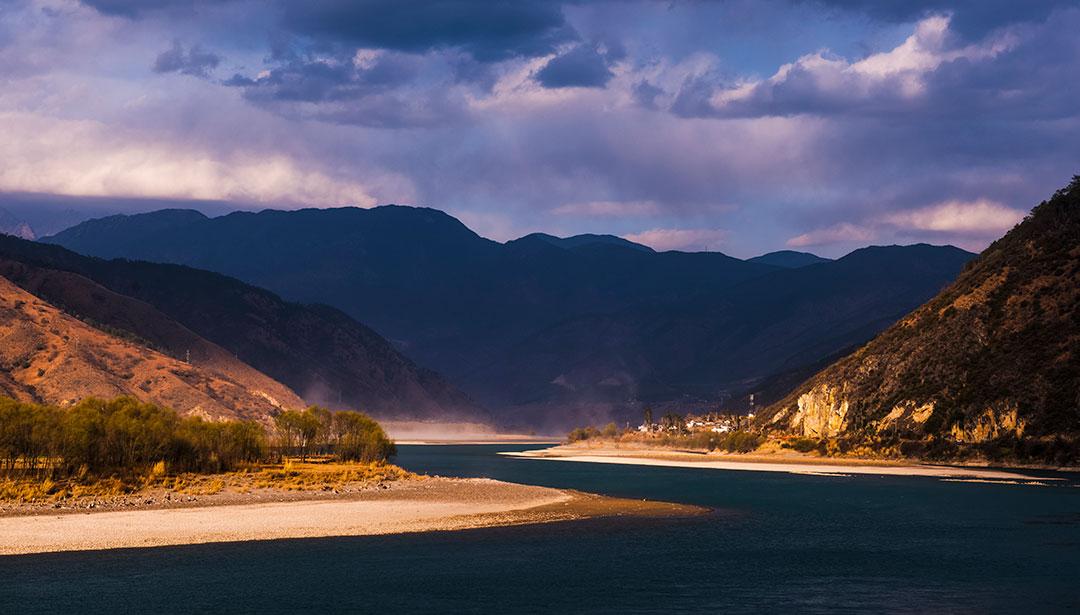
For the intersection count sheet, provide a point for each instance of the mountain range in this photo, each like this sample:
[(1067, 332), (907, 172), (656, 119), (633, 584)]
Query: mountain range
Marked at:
[(990, 365), (545, 330)]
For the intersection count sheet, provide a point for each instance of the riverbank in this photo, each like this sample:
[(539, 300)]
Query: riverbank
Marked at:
[(416, 505), (789, 462)]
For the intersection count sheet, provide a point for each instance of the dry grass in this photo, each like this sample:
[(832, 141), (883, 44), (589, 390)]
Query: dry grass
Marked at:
[(30, 489), (289, 476)]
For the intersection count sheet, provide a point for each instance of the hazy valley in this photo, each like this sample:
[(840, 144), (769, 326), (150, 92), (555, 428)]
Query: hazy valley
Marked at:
[(547, 332)]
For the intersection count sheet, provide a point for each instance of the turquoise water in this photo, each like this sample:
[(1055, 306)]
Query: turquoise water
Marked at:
[(775, 543)]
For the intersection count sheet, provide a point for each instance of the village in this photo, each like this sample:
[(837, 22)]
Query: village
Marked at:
[(709, 422)]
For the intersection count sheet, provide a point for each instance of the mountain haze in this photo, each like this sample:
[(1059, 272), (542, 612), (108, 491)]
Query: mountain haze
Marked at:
[(540, 328)]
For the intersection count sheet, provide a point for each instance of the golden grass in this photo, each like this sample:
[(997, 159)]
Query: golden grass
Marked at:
[(289, 476)]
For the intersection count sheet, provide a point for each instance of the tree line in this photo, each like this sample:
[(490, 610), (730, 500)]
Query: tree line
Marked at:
[(347, 435), (126, 436)]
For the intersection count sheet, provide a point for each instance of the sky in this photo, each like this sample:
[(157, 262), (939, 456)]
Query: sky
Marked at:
[(731, 125)]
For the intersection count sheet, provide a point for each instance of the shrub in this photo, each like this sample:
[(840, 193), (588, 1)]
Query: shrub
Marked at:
[(582, 433), (802, 445)]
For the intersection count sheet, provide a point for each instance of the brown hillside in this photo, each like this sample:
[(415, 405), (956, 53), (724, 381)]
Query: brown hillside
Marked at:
[(49, 356), (993, 360), (317, 351)]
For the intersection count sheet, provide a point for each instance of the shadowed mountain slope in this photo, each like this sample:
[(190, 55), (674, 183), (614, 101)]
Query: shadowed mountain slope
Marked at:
[(320, 352)]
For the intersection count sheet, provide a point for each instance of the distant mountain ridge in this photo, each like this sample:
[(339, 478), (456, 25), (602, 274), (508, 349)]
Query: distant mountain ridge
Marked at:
[(789, 259), (586, 239), (991, 362), (12, 225), (540, 328), (320, 352)]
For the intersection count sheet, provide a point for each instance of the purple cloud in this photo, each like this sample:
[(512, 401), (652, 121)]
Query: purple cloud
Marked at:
[(837, 122), (194, 61), (581, 67)]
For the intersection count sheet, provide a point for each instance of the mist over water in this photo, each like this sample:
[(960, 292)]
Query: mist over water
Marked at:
[(775, 542)]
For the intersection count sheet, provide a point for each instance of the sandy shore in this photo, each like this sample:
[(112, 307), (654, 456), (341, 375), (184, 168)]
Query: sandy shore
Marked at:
[(770, 463), (495, 440), (433, 504)]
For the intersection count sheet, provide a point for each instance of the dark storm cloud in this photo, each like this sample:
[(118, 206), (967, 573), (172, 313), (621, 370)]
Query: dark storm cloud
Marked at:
[(972, 18), (376, 90), (320, 80), (195, 61), (1030, 82), (137, 8), (581, 67), (489, 30)]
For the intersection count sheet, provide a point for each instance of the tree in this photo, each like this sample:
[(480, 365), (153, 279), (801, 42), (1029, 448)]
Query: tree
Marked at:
[(357, 437), (648, 416), (673, 422), (287, 425)]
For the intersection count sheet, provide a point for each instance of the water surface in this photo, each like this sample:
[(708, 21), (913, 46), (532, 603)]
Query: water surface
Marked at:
[(776, 542)]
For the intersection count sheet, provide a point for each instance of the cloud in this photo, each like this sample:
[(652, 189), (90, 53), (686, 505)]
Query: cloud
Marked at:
[(488, 30), (194, 61), (966, 223), (823, 83), (981, 217), (327, 79), (87, 158), (663, 239), (645, 94), (138, 8), (838, 233), (368, 88), (608, 209), (973, 18), (803, 117), (581, 67)]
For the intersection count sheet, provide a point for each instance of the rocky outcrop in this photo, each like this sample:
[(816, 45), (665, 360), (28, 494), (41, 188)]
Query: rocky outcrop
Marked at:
[(908, 413), (822, 412), (990, 425)]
